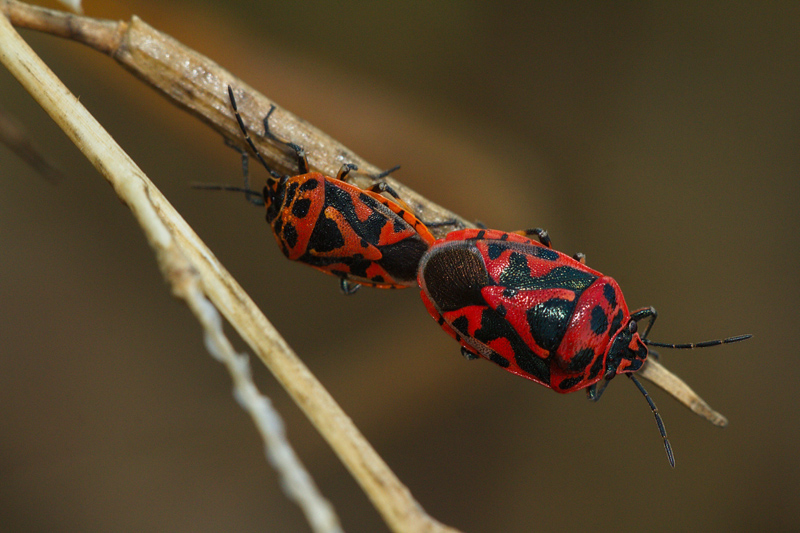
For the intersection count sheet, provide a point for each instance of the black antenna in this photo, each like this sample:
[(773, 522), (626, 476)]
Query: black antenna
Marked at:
[(254, 197), (704, 344), (660, 422)]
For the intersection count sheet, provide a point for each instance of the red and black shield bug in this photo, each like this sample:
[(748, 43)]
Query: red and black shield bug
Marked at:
[(356, 234), (537, 312)]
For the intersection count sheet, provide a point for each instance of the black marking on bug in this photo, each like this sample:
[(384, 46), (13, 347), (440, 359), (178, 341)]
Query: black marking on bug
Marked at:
[(517, 275), (548, 322), (616, 323), (274, 194), (326, 235), (309, 185), (569, 383), (401, 259), (545, 253), (494, 327), (610, 294), (290, 235), (358, 265), (498, 359), (501, 310), (301, 207), (597, 366), (277, 226), (495, 250), (509, 293), (461, 325), (291, 190), (599, 323), (581, 360), (369, 229)]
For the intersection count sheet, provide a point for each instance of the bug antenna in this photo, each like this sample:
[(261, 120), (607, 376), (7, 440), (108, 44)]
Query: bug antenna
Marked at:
[(704, 344), (254, 197), (660, 422), (247, 138)]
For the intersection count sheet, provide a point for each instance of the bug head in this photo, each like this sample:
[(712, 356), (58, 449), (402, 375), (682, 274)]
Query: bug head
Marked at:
[(628, 350)]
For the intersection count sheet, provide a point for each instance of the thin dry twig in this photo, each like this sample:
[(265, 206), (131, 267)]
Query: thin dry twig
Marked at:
[(138, 192), (296, 481)]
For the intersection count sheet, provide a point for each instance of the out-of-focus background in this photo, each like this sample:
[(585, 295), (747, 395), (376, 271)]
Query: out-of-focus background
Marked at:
[(661, 139)]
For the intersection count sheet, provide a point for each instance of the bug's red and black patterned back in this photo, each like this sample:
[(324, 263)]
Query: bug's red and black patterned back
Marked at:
[(530, 309)]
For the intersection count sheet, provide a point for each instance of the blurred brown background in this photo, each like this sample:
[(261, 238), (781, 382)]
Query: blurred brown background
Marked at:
[(662, 140)]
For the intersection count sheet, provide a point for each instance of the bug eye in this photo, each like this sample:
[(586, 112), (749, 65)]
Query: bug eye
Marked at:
[(633, 327)]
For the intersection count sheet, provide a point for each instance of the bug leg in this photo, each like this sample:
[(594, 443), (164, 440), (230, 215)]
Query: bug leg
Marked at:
[(348, 288), (246, 135), (386, 173), (645, 312), (449, 222), (383, 187), (594, 392), (254, 197), (302, 160), (245, 160), (344, 172), (580, 258), (540, 233), (468, 355)]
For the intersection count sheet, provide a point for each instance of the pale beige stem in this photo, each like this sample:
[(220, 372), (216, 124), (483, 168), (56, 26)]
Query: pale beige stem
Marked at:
[(655, 372)]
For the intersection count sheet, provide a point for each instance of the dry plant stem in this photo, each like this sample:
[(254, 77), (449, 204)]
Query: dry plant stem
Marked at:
[(296, 482), (135, 189), (167, 232), (199, 86), (656, 373)]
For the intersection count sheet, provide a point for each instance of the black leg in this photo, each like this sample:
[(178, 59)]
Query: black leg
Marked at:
[(344, 172), (645, 312), (302, 162), (542, 234), (348, 288)]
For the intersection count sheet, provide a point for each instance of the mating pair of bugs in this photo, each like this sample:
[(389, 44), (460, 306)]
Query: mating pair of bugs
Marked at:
[(505, 297)]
